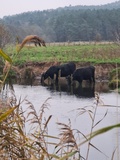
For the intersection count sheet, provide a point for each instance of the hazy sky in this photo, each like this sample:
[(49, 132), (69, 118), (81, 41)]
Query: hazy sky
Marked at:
[(11, 7)]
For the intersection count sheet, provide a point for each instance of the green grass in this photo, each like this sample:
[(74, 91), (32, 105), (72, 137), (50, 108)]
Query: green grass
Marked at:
[(94, 53)]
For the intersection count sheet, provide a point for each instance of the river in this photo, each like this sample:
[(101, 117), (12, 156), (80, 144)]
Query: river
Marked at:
[(64, 104)]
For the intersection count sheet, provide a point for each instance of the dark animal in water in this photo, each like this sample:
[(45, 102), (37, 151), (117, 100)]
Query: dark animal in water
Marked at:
[(67, 69), (51, 72), (85, 73), (63, 70)]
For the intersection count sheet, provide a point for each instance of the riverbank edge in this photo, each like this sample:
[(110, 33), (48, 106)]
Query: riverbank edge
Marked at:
[(102, 71)]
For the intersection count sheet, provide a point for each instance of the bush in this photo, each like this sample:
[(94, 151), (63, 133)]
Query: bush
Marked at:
[(115, 78)]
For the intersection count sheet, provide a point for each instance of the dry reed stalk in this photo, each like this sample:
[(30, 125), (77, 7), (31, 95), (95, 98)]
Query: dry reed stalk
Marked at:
[(6, 67), (6, 70), (32, 39), (12, 136), (67, 136), (36, 118)]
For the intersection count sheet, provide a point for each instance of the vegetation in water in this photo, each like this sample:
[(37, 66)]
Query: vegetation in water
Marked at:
[(115, 78)]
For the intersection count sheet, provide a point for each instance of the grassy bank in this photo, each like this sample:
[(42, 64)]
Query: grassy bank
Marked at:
[(94, 53)]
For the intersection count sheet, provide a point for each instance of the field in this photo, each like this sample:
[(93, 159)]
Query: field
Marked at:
[(93, 53)]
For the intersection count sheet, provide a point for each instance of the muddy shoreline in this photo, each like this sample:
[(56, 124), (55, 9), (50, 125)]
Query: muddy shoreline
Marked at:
[(102, 71)]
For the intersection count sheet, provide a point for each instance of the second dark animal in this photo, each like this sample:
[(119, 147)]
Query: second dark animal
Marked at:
[(85, 73)]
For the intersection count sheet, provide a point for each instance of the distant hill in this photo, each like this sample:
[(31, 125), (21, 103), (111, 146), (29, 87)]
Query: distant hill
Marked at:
[(114, 5), (71, 23)]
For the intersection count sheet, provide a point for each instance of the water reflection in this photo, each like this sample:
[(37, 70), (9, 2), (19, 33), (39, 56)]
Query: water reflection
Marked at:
[(84, 91), (79, 91)]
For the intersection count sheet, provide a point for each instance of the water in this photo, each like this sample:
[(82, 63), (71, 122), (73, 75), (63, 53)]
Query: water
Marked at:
[(65, 104)]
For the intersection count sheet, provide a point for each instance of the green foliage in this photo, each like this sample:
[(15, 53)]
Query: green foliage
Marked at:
[(78, 23), (115, 78), (7, 113), (100, 131), (115, 73), (114, 83), (7, 66), (5, 56)]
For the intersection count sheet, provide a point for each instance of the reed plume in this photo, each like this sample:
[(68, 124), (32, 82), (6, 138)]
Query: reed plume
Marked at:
[(32, 39)]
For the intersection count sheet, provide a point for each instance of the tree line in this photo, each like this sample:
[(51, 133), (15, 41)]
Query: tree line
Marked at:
[(67, 24)]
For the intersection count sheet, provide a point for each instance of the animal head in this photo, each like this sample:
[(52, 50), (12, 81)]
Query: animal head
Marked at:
[(43, 43), (44, 76)]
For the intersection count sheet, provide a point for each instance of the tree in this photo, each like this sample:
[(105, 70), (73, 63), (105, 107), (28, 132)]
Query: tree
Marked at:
[(4, 36), (98, 37)]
